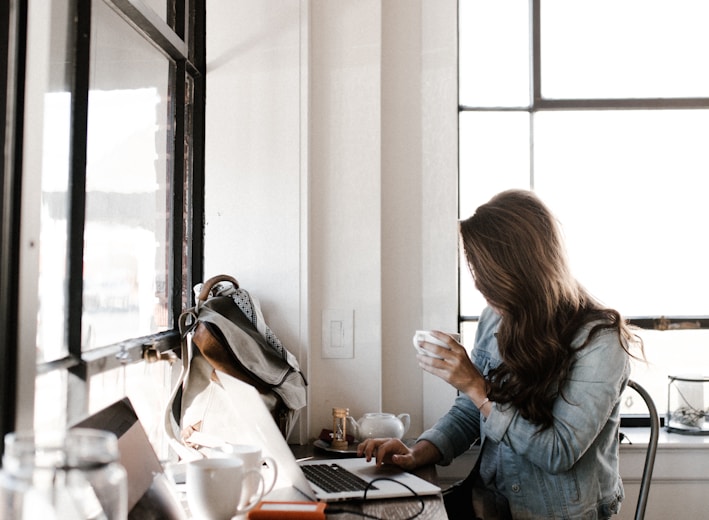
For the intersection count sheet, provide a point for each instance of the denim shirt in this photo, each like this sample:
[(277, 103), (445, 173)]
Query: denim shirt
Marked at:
[(569, 470)]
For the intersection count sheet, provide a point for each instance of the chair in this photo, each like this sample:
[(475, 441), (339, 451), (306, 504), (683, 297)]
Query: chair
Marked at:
[(651, 450)]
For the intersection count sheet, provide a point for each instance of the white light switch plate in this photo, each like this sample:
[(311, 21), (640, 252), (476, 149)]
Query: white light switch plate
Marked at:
[(337, 334)]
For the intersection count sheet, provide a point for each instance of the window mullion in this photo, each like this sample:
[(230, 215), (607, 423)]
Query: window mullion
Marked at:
[(157, 30), (177, 228), (670, 322), (12, 66), (624, 104), (535, 83), (536, 52), (77, 391), (77, 188)]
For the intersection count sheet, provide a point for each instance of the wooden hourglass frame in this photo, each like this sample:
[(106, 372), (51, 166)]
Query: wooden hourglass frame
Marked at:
[(339, 428)]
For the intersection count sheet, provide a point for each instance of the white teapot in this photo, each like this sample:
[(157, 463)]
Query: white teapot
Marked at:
[(377, 424)]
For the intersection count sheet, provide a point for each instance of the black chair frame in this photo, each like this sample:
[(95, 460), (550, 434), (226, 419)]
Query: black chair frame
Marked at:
[(651, 450)]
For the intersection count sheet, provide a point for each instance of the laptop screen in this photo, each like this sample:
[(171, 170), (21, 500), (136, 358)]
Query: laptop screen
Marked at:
[(151, 495)]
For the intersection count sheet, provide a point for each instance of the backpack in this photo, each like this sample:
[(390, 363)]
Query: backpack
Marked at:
[(225, 335)]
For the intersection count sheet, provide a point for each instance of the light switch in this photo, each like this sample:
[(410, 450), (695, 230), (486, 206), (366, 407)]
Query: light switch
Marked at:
[(337, 334)]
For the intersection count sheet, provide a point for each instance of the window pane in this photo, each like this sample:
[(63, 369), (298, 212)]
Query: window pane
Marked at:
[(494, 156), (676, 353), (494, 53), (126, 254), (468, 330), (630, 189), (54, 167), (624, 48), (148, 387), (50, 400)]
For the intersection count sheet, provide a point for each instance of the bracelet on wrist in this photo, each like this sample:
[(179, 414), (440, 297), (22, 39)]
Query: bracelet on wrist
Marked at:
[(480, 406)]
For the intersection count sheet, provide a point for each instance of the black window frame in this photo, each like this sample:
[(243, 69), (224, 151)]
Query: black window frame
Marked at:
[(182, 38), (13, 31)]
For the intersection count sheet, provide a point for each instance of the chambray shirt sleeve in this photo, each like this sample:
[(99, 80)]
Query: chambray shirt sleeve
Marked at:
[(596, 381), (456, 431)]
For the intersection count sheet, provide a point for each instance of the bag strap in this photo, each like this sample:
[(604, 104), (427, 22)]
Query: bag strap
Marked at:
[(171, 425), (207, 287), (187, 322)]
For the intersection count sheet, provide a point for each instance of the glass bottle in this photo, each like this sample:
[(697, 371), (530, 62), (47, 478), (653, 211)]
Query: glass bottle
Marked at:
[(76, 473)]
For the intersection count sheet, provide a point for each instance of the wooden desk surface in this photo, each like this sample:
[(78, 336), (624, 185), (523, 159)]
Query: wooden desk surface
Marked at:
[(402, 507), (392, 509)]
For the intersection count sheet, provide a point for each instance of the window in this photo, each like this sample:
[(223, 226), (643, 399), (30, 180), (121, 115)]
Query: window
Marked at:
[(607, 118), (114, 119), (12, 22)]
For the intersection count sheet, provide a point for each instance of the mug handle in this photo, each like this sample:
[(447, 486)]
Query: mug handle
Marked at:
[(257, 496), (274, 467)]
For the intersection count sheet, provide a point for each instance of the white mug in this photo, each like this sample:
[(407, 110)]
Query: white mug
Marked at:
[(216, 488), (424, 335), (253, 460)]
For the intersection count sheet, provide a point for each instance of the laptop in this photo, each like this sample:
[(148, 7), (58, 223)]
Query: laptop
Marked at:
[(259, 428), (151, 494)]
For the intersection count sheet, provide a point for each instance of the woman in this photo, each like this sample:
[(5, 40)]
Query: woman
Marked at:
[(548, 367)]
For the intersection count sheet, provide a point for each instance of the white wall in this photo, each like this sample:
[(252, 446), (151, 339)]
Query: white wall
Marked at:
[(331, 166), (255, 188)]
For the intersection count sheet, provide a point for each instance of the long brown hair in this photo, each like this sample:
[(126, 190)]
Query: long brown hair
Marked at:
[(516, 255)]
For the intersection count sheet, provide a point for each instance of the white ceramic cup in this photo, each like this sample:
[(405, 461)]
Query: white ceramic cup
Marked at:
[(425, 335), (254, 460), (216, 487)]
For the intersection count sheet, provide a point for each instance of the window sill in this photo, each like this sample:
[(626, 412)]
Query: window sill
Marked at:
[(640, 436), (679, 458)]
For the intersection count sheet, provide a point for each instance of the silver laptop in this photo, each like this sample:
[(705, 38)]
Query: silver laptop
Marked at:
[(260, 429), (151, 494)]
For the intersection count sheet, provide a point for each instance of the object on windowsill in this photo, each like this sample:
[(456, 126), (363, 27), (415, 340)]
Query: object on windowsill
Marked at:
[(687, 400)]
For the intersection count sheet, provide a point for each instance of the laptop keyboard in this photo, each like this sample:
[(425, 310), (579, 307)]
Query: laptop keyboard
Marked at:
[(334, 478)]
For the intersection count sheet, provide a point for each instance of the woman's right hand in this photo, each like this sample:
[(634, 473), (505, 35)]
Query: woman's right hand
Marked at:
[(393, 451), (455, 368)]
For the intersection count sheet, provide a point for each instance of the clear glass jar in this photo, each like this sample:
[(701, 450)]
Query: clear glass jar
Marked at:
[(687, 404), (77, 473)]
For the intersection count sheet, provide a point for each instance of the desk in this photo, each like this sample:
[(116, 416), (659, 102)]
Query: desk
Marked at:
[(391, 509), (400, 507)]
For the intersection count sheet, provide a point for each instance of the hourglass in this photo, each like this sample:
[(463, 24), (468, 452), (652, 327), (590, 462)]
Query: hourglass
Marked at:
[(339, 428)]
